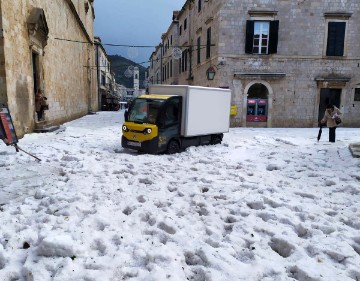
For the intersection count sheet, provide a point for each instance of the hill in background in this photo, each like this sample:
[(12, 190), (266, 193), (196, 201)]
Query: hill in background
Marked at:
[(119, 65)]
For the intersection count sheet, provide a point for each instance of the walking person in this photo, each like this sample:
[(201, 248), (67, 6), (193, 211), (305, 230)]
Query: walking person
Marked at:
[(40, 101), (331, 113)]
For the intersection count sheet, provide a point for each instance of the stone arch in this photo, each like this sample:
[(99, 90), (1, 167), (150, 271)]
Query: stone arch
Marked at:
[(270, 94)]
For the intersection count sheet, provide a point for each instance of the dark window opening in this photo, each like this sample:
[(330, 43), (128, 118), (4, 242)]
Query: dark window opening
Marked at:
[(184, 61), (198, 50), (208, 43), (171, 68), (103, 79), (336, 39), (199, 6), (357, 94)]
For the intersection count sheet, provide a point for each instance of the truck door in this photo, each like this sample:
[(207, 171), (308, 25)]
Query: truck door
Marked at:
[(170, 120)]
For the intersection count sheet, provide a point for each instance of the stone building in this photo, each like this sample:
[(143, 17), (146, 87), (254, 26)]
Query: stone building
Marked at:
[(164, 68), (283, 60), (47, 45), (108, 100)]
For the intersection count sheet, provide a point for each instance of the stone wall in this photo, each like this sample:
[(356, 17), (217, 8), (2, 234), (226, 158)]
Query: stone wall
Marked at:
[(65, 68)]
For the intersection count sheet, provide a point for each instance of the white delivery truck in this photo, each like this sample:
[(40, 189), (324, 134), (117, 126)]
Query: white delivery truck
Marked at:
[(173, 117)]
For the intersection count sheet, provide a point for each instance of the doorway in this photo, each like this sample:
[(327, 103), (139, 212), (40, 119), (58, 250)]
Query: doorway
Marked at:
[(36, 74), (328, 96), (257, 103)]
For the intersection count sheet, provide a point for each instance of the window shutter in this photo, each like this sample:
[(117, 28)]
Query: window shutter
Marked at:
[(336, 39), (249, 41), (274, 36)]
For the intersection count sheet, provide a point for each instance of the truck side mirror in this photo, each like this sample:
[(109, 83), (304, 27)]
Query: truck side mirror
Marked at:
[(126, 115)]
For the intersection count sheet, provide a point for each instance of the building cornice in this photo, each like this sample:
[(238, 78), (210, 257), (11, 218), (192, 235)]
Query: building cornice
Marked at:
[(333, 79), (262, 13), (337, 15), (259, 75)]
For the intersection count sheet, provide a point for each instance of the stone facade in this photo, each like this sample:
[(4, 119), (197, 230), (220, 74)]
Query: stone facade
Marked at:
[(163, 67), (105, 78), (303, 67), (38, 50)]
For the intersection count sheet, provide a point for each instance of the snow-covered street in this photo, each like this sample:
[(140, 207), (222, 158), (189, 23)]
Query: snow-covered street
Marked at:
[(266, 204)]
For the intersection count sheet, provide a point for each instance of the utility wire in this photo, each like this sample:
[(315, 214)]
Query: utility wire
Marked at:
[(138, 63), (124, 45)]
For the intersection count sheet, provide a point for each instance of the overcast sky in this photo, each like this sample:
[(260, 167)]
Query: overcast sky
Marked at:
[(135, 23)]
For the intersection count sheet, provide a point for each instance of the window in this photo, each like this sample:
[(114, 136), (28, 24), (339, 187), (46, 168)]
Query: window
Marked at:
[(180, 31), (336, 38), (185, 24), (208, 43), (184, 61), (198, 50), (103, 79), (199, 6), (172, 112), (357, 94), (261, 37), (171, 68)]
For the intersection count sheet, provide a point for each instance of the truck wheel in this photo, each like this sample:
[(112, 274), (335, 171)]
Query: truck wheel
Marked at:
[(216, 140), (173, 147)]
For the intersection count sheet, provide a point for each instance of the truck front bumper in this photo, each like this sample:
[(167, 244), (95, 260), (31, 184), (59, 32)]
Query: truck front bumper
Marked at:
[(150, 146)]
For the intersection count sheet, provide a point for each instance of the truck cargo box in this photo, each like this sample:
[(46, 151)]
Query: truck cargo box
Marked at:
[(205, 110)]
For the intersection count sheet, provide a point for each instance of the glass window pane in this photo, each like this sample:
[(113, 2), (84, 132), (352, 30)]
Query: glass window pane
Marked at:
[(256, 50)]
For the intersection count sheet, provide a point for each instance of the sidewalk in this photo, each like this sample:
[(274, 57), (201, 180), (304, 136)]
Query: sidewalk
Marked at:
[(355, 149)]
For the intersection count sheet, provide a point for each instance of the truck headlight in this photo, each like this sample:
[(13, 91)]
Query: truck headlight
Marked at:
[(124, 128), (147, 131)]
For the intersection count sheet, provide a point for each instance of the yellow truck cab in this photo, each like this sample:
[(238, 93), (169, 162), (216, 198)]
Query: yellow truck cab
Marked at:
[(172, 118)]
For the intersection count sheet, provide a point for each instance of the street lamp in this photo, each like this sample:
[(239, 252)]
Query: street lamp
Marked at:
[(210, 73)]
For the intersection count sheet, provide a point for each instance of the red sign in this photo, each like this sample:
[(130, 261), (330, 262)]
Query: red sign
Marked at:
[(251, 118), (6, 125), (262, 101)]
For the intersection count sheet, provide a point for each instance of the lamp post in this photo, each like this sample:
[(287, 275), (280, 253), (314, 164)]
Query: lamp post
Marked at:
[(210, 73)]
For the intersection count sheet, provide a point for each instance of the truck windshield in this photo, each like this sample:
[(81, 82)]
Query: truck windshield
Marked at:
[(145, 110)]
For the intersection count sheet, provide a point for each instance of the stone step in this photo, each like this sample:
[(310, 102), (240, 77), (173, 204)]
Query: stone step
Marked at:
[(355, 149), (45, 128)]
